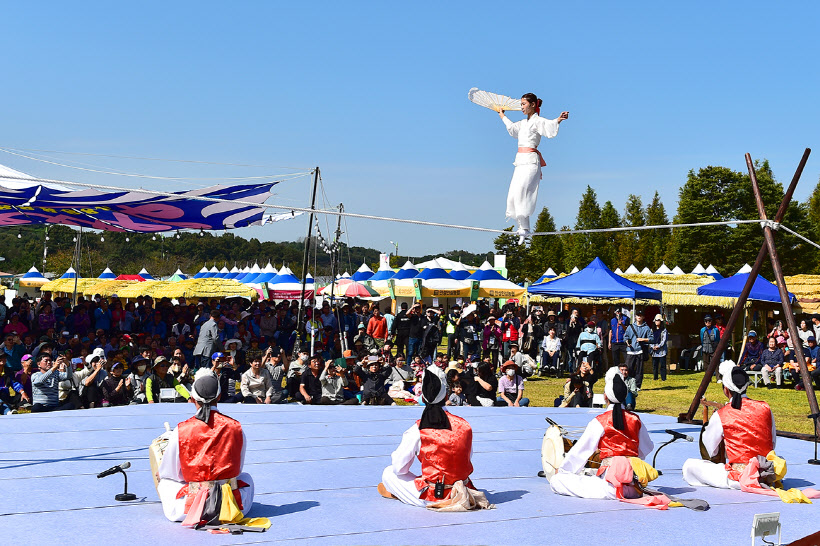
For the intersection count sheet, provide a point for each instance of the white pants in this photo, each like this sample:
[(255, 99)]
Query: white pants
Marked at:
[(767, 375), (588, 487), (523, 193), (701, 473), (174, 508), (402, 486)]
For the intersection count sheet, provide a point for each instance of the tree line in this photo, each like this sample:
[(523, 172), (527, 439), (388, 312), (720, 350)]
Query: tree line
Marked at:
[(709, 194)]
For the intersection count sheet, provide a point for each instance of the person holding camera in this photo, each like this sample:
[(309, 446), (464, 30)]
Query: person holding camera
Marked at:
[(637, 337), (491, 342), (451, 326), (277, 363), (334, 381), (45, 384)]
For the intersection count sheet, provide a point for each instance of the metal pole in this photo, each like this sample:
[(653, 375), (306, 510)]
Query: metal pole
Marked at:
[(781, 287), (740, 304), (77, 253), (333, 257), (305, 257)]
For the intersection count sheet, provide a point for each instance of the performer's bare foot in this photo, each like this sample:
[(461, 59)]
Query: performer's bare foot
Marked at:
[(384, 492)]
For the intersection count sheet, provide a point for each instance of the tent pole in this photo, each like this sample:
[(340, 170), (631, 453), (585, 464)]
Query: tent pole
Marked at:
[(768, 234), (740, 304), (305, 259), (333, 256), (77, 252)]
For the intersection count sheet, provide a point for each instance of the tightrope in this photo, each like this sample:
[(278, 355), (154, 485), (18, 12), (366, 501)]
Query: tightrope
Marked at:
[(332, 212)]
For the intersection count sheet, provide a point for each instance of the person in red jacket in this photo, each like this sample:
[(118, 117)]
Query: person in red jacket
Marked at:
[(204, 453), (377, 327), (745, 426), (442, 442), (616, 432)]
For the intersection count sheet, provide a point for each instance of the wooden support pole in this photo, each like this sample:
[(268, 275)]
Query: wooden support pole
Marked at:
[(768, 233), (740, 304)]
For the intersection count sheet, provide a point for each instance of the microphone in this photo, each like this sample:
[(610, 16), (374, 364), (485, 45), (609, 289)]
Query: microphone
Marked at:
[(679, 435), (119, 468)]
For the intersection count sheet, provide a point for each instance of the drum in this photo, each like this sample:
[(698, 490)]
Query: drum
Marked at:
[(156, 451), (557, 442)]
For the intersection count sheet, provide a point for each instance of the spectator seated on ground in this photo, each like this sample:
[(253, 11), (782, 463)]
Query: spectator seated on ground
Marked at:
[(115, 387), (12, 393), (256, 383), (24, 376), (230, 377), (456, 395), (310, 386), (140, 372), (161, 379), (334, 380), (631, 388), (511, 386), (374, 391), (45, 384)]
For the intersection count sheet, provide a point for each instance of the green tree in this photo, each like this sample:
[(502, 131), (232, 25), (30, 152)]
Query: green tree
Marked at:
[(583, 247), (611, 240), (631, 251), (517, 255), (655, 241), (547, 250)]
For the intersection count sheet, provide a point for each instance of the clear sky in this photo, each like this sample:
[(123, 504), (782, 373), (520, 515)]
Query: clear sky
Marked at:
[(376, 95)]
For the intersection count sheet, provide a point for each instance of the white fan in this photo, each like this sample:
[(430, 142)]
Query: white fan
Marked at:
[(492, 100)]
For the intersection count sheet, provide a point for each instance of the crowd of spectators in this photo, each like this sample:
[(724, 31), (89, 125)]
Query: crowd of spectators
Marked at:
[(104, 352)]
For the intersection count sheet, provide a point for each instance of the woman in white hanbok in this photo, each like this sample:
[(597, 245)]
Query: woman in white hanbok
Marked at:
[(528, 161)]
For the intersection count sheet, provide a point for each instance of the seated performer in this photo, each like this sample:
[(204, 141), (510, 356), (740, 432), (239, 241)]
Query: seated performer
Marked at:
[(746, 427), (615, 432), (443, 443), (204, 453)]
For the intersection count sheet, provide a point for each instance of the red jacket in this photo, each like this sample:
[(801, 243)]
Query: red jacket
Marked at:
[(445, 456)]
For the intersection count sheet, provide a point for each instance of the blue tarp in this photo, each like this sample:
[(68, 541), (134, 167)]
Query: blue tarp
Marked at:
[(595, 281), (730, 287)]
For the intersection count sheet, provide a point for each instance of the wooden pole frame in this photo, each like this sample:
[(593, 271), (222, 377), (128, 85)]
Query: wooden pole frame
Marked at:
[(768, 248)]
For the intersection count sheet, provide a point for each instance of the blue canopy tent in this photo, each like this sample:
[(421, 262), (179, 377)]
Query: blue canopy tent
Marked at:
[(595, 281), (730, 287)]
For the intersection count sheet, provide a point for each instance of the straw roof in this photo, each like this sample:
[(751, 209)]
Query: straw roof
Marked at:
[(66, 286), (807, 290), (138, 289), (204, 288), (106, 288), (682, 290)]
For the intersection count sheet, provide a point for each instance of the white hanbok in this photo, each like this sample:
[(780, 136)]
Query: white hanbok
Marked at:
[(527, 175), (699, 472), (171, 480), (575, 480)]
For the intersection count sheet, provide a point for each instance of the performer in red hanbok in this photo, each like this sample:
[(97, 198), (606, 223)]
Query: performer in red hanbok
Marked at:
[(443, 443), (615, 433), (200, 475), (745, 426)]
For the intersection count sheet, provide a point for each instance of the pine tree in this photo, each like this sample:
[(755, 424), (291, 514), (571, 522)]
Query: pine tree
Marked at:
[(517, 256), (631, 251), (585, 246), (547, 250), (611, 241), (655, 241)]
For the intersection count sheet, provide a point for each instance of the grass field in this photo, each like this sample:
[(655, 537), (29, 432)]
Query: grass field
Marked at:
[(673, 396)]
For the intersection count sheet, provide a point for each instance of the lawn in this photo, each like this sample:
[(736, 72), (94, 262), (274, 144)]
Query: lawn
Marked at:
[(673, 396)]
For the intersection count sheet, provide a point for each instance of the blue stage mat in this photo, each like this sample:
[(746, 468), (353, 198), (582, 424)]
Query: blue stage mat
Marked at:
[(316, 469)]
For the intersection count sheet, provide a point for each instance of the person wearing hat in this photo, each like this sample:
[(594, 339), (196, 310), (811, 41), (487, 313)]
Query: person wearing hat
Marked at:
[(12, 393), (745, 426), (589, 345), (161, 379), (467, 328), (203, 460), (658, 348), (615, 433), (753, 350), (15, 350), (442, 442), (709, 339), (367, 341), (511, 386), (115, 387), (137, 379), (431, 336), (374, 378), (491, 340)]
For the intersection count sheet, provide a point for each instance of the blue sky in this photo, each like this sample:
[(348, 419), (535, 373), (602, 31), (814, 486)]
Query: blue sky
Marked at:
[(375, 94)]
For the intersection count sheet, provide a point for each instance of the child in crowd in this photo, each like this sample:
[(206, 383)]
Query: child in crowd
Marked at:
[(456, 397), (631, 388)]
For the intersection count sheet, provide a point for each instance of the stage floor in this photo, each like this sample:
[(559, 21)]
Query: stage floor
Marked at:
[(316, 469)]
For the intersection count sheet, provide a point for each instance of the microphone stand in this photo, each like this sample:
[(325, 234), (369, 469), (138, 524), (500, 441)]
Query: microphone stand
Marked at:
[(658, 451), (814, 417), (125, 495)]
